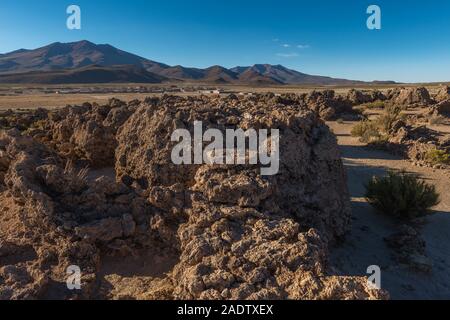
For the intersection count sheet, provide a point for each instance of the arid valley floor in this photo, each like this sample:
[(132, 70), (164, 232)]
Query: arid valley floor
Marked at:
[(86, 180)]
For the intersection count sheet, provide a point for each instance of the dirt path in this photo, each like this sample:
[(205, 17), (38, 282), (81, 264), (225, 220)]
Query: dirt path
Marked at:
[(365, 245)]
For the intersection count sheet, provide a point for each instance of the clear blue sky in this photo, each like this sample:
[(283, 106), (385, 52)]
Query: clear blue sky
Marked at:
[(326, 37)]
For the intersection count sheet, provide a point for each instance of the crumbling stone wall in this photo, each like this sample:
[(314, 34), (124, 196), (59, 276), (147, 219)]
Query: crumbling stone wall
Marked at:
[(238, 234)]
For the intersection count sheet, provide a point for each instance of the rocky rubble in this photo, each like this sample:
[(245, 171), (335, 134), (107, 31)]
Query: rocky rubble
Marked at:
[(85, 133), (245, 237), (330, 106), (442, 94), (440, 109), (61, 218), (357, 97), (416, 96), (327, 103), (22, 120), (416, 143), (409, 248), (407, 132), (238, 235)]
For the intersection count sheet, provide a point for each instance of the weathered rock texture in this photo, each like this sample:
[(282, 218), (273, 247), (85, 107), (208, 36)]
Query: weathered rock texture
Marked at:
[(441, 109), (416, 143), (245, 236), (86, 132), (329, 105), (410, 96), (22, 120), (237, 234), (53, 217), (443, 94), (357, 97), (409, 248)]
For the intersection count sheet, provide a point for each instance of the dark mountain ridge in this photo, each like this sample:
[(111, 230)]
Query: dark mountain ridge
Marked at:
[(77, 61)]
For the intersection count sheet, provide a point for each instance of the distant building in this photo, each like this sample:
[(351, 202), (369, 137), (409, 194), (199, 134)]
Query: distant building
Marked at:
[(210, 92)]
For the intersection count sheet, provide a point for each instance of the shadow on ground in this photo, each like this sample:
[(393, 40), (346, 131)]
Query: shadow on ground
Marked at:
[(365, 245)]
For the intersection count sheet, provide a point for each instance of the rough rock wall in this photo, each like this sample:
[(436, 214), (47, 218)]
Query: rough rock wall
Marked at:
[(239, 235), (87, 132), (415, 143), (442, 94), (54, 217), (329, 105), (245, 236), (357, 97), (310, 185), (410, 96), (441, 109)]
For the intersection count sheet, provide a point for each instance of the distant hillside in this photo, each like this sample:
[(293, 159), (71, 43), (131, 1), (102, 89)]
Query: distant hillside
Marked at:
[(282, 75), (59, 56), (88, 62), (251, 75), (182, 73), (89, 74)]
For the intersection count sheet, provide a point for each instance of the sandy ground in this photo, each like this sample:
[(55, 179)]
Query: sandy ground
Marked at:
[(51, 101), (365, 245), (33, 96)]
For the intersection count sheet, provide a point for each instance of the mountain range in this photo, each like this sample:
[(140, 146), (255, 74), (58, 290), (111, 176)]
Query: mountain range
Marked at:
[(86, 62)]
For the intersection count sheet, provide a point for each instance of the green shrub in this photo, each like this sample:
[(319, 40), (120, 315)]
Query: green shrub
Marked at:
[(375, 105), (401, 195), (39, 124), (437, 156), (388, 118), (376, 131), (366, 130)]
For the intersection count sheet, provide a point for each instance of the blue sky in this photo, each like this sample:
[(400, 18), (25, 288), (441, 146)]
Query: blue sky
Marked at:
[(326, 37)]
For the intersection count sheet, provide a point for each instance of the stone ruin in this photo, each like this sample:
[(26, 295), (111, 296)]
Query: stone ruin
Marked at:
[(236, 234), (358, 97), (410, 96), (443, 94), (416, 142)]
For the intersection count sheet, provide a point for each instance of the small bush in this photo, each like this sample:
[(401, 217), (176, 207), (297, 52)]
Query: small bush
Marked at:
[(340, 121), (377, 131), (39, 124), (78, 179), (388, 118), (375, 105), (437, 156), (366, 130), (401, 195)]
